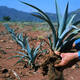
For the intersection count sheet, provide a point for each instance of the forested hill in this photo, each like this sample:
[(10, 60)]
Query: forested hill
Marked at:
[(25, 16)]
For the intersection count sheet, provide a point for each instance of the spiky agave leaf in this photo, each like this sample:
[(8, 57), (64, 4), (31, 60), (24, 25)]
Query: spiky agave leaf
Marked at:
[(58, 13), (67, 30), (28, 46), (62, 25), (36, 9), (20, 60), (21, 56), (64, 35), (41, 17), (47, 20), (20, 36), (69, 38), (22, 53), (21, 41), (28, 49), (10, 30), (59, 16), (73, 34), (36, 51), (70, 19), (50, 41)]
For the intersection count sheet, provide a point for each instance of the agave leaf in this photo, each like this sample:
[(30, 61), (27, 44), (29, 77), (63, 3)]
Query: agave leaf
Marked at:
[(28, 47), (36, 50), (34, 56), (59, 16), (20, 43), (20, 36), (9, 29), (40, 12), (20, 60), (21, 53), (70, 37), (35, 53), (63, 22), (47, 18), (65, 43), (41, 17), (35, 8), (70, 19), (24, 41), (50, 41), (49, 22), (73, 34), (67, 31), (58, 13), (65, 34)]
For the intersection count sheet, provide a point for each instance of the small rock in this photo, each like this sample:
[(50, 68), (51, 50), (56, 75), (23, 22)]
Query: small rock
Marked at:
[(2, 40)]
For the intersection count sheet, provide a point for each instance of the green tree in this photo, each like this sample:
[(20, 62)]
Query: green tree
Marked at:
[(6, 18)]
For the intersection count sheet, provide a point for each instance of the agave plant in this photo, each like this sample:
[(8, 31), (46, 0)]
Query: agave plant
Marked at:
[(28, 53), (64, 33), (65, 30)]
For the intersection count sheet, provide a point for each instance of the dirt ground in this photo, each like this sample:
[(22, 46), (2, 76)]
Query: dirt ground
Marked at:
[(7, 48)]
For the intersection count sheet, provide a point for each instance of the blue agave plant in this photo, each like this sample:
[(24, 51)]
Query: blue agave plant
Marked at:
[(65, 32), (30, 53)]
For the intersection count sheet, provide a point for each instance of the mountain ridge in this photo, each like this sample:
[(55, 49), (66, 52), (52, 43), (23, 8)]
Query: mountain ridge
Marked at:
[(17, 15)]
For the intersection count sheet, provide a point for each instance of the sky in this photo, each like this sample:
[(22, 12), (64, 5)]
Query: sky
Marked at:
[(45, 5)]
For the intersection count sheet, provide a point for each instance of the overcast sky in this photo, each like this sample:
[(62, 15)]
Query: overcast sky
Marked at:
[(45, 5)]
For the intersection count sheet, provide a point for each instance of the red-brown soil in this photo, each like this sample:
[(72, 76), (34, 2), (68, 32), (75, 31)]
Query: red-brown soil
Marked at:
[(7, 46)]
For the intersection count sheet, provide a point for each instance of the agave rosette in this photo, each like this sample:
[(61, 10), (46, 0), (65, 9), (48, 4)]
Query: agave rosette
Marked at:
[(29, 53), (65, 30)]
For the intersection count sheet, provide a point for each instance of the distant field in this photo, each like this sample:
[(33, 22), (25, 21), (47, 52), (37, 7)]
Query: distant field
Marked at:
[(35, 25)]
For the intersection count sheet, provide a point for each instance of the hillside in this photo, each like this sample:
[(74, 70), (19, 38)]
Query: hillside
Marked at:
[(25, 16)]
